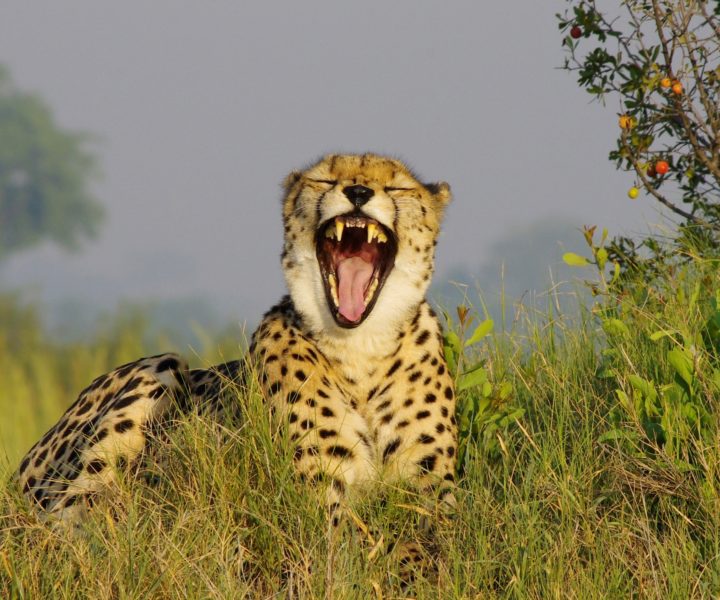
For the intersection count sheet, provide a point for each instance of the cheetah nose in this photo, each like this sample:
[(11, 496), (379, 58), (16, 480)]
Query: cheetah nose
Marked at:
[(358, 194)]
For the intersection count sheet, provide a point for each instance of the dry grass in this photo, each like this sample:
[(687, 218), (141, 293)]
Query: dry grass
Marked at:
[(550, 511)]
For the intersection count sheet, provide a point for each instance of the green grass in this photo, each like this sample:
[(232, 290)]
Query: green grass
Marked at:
[(586, 495)]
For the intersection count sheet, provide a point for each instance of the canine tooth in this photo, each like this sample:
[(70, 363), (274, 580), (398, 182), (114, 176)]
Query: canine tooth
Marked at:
[(339, 226), (372, 231), (333, 289), (371, 290)]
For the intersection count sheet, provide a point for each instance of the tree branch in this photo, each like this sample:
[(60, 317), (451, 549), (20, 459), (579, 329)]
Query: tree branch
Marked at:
[(687, 126), (647, 184)]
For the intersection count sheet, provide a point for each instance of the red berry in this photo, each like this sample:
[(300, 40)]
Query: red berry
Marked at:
[(576, 32), (651, 171), (661, 167)]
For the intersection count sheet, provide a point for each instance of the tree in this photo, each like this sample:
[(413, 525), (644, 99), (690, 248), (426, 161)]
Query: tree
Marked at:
[(660, 60), (45, 175)]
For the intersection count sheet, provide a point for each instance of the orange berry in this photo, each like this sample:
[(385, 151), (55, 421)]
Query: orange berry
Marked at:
[(665, 82), (626, 122), (677, 88), (662, 167)]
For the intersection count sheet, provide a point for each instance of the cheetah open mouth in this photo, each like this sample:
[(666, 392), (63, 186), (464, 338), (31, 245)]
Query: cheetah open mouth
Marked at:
[(356, 254)]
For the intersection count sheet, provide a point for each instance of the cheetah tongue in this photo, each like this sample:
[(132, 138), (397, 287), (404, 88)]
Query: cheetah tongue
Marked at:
[(353, 277)]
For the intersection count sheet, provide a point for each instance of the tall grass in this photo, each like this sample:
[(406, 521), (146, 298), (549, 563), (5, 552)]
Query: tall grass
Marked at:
[(599, 489)]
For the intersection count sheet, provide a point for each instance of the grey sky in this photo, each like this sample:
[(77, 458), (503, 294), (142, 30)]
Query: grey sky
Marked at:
[(203, 107)]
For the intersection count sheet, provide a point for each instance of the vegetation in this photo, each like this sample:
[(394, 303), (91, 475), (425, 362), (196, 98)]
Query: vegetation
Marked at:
[(590, 469), (659, 60), (589, 462), (45, 176)]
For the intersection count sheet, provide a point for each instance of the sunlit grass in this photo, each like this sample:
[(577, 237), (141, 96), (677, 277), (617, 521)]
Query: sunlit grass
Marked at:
[(554, 508)]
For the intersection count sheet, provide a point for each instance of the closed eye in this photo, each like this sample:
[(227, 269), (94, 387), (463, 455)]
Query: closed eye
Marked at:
[(325, 181), (398, 189)]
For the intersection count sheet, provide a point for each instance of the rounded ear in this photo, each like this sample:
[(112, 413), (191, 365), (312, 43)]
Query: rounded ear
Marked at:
[(441, 192), (291, 180)]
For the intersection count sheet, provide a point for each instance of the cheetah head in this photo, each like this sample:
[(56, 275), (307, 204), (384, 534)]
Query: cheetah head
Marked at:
[(360, 234)]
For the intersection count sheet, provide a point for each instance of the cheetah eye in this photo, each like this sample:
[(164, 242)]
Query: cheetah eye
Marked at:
[(325, 181), (397, 189)]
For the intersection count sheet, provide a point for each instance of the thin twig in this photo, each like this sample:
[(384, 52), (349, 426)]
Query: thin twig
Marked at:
[(657, 195), (687, 125)]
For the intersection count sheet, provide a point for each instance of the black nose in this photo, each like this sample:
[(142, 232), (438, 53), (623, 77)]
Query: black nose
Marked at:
[(358, 194)]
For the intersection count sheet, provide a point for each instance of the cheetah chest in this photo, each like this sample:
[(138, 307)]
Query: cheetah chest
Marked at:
[(392, 415)]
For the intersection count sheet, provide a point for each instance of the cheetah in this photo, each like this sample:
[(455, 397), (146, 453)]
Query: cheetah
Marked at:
[(350, 362)]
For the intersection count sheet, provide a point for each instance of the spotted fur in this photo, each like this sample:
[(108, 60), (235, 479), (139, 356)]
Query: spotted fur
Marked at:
[(363, 401)]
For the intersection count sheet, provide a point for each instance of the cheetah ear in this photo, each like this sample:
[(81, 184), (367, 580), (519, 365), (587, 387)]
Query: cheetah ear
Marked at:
[(441, 192), (291, 180)]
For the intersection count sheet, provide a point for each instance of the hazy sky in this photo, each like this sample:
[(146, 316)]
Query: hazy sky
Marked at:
[(201, 108)]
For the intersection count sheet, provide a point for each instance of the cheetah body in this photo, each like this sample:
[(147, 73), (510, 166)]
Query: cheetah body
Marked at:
[(351, 362)]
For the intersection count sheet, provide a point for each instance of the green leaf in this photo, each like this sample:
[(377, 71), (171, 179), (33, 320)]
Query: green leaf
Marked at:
[(453, 342), (575, 260), (605, 372), (613, 435), (480, 332), (506, 389), (601, 256), (661, 334), (684, 466), (511, 417), (683, 364), (472, 378), (450, 359), (694, 296), (646, 388), (486, 389), (624, 400), (689, 411), (673, 393), (483, 404), (615, 328), (715, 379)]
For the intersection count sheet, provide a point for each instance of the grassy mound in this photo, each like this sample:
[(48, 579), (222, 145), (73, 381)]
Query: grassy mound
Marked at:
[(590, 468)]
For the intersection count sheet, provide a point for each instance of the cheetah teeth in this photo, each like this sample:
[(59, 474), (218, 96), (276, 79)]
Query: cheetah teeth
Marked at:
[(371, 290), (369, 293), (333, 289), (373, 230)]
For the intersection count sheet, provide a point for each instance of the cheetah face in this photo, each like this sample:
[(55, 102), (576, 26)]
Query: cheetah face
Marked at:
[(360, 234)]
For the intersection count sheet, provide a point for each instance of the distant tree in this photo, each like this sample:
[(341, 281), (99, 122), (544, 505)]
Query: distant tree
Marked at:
[(45, 174), (659, 61)]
